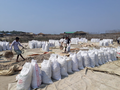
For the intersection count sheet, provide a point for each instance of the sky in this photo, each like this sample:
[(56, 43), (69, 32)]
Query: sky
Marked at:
[(58, 16)]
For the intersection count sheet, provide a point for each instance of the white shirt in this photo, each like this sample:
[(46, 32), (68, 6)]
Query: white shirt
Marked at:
[(15, 44), (118, 38), (61, 40), (65, 41)]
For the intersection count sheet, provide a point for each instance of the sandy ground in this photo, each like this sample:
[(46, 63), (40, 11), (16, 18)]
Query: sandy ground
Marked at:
[(5, 64), (5, 80)]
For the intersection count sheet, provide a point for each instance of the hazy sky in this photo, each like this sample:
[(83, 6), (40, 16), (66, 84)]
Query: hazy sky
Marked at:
[(58, 16)]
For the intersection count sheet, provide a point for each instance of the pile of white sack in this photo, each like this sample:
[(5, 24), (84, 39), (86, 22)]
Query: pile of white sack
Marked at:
[(39, 44), (4, 46), (32, 76), (83, 40), (45, 47), (55, 43), (29, 77), (95, 40), (106, 42), (77, 40), (35, 44), (74, 40)]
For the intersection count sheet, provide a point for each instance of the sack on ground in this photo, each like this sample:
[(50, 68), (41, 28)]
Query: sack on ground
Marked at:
[(80, 61), (86, 60), (55, 70), (25, 76), (69, 65), (46, 72), (63, 66), (36, 75), (74, 62)]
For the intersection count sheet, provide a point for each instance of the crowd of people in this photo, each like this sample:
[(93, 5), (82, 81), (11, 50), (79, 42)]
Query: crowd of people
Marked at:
[(64, 42)]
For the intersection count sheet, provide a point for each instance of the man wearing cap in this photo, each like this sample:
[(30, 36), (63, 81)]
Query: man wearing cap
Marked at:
[(15, 43)]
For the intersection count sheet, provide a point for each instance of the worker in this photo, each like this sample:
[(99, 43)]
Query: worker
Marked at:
[(118, 40), (68, 40), (65, 44), (61, 43), (15, 43)]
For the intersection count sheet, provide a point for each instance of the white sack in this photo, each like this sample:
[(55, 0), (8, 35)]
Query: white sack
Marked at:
[(80, 61), (74, 62), (7, 46), (46, 72), (53, 56), (4, 46), (109, 56), (69, 65), (86, 60), (113, 57), (96, 59), (46, 47), (36, 75), (55, 70), (92, 59), (39, 45), (63, 66), (106, 56), (43, 47), (25, 77), (100, 59)]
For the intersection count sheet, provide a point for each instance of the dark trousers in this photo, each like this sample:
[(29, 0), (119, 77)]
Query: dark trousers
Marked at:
[(118, 41)]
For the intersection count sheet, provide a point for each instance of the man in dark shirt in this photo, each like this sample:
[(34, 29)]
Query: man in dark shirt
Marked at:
[(68, 40)]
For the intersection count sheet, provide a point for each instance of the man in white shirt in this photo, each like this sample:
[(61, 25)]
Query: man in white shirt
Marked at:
[(61, 43), (65, 44), (15, 43), (118, 40)]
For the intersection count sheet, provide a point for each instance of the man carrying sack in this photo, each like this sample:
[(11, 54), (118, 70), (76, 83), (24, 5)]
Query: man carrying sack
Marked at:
[(15, 43)]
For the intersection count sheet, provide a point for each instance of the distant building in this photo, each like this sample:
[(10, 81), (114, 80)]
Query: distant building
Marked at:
[(23, 33), (80, 33), (1, 34), (61, 33), (30, 33), (41, 34), (75, 33), (69, 33), (8, 34)]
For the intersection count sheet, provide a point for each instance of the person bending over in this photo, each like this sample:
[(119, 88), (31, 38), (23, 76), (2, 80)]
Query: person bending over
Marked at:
[(15, 43)]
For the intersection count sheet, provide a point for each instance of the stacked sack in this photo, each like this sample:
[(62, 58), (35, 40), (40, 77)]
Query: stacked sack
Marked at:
[(106, 42), (98, 57), (55, 43), (83, 40), (95, 40), (4, 46), (35, 44), (45, 47), (39, 44), (29, 77), (32, 76), (74, 40)]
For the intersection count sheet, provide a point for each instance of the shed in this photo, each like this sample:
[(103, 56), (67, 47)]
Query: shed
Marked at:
[(80, 33)]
